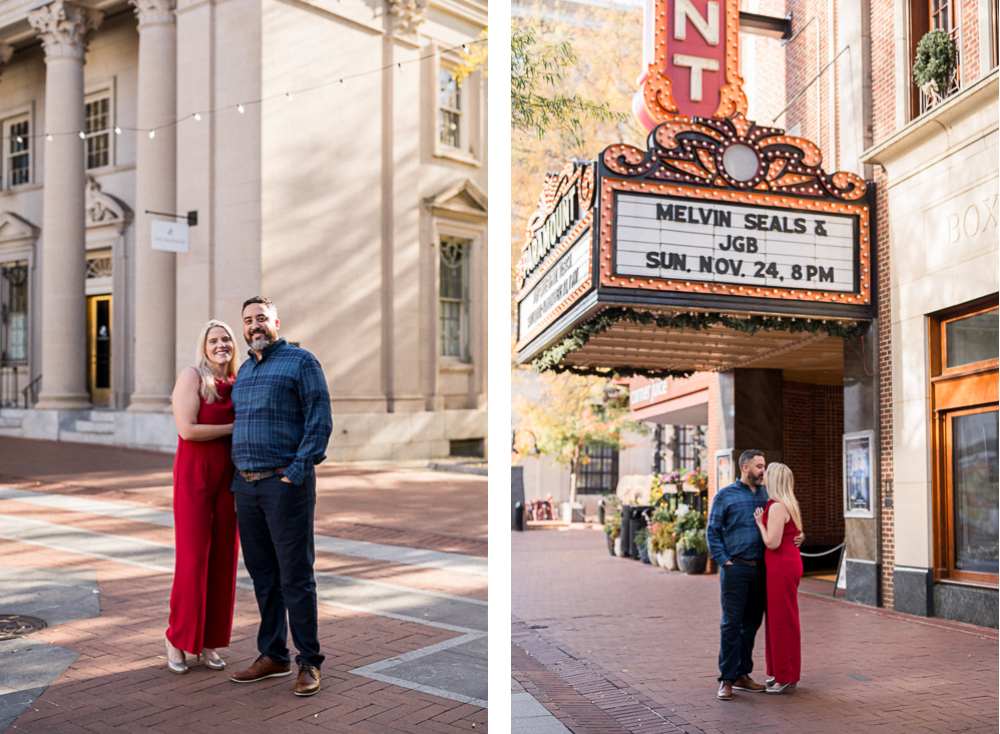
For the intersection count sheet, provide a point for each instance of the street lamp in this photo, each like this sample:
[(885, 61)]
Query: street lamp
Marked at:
[(513, 441)]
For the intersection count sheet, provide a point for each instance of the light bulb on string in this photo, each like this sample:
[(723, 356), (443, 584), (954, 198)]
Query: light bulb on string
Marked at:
[(288, 96), (19, 139), (118, 130), (82, 136), (400, 67), (196, 116), (152, 134), (343, 83), (239, 108), (49, 138), (465, 48)]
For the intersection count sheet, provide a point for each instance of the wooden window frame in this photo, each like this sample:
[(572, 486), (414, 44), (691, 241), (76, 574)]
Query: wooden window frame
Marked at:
[(964, 390)]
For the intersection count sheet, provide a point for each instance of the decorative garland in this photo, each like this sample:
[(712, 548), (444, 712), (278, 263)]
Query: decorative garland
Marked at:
[(579, 336)]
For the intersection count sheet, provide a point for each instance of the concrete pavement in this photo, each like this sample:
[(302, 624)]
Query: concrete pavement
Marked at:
[(401, 575), (611, 645)]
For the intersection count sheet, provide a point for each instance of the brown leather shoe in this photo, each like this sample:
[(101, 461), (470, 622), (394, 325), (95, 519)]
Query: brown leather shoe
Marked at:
[(725, 691), (745, 683), (263, 667), (307, 683)]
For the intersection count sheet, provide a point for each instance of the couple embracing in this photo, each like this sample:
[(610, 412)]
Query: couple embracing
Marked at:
[(754, 530), (250, 436)]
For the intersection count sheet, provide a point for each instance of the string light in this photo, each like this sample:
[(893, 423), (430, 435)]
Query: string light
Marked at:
[(19, 139), (289, 96)]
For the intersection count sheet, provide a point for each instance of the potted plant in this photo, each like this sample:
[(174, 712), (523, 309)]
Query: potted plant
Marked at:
[(662, 540), (935, 64), (692, 546), (613, 528)]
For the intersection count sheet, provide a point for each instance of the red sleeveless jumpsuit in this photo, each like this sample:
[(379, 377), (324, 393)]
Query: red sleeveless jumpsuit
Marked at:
[(782, 639), (207, 546)]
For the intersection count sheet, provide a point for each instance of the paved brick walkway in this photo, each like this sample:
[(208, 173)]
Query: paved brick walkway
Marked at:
[(611, 646), (119, 682)]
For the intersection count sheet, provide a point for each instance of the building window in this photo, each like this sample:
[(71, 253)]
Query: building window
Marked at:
[(453, 305), (964, 358), (17, 163), (449, 109), (688, 446), (13, 314), (925, 16), (97, 129), (599, 474)]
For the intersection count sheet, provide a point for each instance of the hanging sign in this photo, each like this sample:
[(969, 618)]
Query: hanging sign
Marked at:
[(555, 268), (169, 236)]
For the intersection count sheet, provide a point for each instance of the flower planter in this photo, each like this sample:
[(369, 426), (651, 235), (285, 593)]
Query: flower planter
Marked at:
[(651, 553), (690, 562), (618, 547), (668, 559), (643, 554)]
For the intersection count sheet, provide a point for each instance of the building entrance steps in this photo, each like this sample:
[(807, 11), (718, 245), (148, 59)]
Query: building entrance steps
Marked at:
[(607, 644)]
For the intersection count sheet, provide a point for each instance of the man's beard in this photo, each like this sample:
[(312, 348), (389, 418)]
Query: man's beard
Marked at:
[(758, 481), (260, 340)]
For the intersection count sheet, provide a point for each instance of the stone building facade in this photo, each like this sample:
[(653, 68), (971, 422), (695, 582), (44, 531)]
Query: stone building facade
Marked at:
[(332, 160)]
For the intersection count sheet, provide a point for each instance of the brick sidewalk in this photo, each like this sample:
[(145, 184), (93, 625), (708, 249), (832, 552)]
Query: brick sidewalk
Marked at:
[(119, 682), (611, 645)]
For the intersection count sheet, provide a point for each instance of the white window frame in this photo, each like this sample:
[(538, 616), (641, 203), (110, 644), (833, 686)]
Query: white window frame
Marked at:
[(104, 92), (464, 355), (13, 119), (471, 118)]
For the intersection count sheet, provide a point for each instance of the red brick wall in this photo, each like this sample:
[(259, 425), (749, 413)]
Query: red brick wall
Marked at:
[(813, 450), (884, 363), (969, 53), (883, 70)]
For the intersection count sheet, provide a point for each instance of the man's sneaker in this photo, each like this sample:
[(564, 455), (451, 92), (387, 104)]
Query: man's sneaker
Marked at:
[(263, 667), (725, 691), (745, 683), (307, 683)]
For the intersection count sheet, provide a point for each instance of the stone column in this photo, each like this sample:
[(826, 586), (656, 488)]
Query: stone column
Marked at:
[(155, 190), (63, 28)]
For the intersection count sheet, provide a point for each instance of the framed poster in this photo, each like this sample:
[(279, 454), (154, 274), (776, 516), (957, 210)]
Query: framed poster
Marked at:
[(723, 468), (858, 482)]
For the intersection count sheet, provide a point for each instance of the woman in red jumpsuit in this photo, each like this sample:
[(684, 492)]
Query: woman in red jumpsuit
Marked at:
[(204, 591), (779, 522)]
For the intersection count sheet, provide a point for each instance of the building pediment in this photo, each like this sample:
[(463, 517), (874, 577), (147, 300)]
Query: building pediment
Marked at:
[(16, 229), (103, 210), (464, 200)]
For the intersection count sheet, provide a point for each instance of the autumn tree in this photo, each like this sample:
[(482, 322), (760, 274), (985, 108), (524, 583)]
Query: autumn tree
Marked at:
[(566, 414)]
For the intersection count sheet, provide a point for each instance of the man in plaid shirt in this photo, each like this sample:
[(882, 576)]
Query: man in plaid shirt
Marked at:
[(736, 545), (283, 425)]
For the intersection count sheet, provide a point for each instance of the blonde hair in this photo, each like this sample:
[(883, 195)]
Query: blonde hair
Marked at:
[(781, 488), (204, 368)]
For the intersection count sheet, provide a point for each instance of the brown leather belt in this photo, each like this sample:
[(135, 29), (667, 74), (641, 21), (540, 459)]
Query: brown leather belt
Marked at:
[(747, 562), (256, 476)]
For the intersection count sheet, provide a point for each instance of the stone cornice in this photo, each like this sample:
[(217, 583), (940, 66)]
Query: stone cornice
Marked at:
[(409, 14), (939, 132), (64, 28), (102, 209), (155, 12)]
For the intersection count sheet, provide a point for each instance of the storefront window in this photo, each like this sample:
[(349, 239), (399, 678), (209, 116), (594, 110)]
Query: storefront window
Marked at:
[(974, 483), (599, 475), (964, 394)]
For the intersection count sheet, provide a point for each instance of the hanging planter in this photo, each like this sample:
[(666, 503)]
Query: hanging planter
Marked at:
[(935, 64)]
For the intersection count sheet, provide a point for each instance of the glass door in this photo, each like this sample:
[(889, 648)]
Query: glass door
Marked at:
[(99, 349)]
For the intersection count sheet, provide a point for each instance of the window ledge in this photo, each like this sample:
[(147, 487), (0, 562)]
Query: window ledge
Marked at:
[(454, 154), (455, 367)]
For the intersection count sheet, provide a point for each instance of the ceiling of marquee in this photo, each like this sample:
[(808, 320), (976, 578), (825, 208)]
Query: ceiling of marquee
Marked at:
[(805, 357)]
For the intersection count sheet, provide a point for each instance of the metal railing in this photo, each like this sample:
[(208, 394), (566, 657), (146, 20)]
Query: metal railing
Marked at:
[(30, 393), (930, 101)]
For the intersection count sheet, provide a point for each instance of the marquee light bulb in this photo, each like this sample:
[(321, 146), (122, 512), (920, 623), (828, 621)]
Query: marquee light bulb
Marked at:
[(239, 108)]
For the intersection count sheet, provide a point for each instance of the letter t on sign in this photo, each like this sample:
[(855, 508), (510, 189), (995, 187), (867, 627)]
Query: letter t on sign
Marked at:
[(697, 64)]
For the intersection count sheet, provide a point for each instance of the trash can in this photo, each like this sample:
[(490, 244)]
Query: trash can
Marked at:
[(636, 523), (626, 535), (518, 521)]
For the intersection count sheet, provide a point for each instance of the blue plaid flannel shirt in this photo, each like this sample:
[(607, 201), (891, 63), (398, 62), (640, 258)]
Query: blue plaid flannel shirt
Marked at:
[(283, 415), (731, 527)]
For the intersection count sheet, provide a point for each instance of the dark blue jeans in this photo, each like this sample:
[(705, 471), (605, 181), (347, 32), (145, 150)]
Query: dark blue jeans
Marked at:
[(744, 598), (276, 532)]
